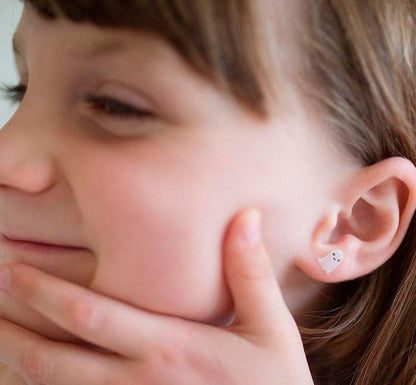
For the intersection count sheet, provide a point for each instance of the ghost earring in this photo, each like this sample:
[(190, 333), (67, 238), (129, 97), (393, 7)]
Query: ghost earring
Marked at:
[(331, 261)]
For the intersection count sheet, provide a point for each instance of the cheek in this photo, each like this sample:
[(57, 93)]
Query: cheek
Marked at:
[(158, 242), (169, 277)]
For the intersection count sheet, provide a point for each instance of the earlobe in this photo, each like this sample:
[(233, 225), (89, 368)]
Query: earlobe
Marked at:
[(367, 222), (331, 261)]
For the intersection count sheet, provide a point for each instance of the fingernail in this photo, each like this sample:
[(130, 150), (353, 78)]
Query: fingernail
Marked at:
[(252, 227), (5, 278)]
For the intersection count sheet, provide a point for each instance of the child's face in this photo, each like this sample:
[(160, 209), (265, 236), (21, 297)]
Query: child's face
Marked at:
[(149, 199)]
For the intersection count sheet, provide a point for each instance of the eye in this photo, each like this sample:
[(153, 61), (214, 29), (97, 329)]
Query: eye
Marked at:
[(99, 104), (115, 108), (13, 93)]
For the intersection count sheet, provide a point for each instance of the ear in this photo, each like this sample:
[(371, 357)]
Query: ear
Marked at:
[(367, 220)]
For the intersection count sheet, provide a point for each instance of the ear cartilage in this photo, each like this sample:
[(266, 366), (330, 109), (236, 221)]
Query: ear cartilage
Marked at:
[(331, 261)]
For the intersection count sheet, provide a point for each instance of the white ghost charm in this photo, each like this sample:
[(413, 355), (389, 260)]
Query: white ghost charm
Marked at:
[(331, 261)]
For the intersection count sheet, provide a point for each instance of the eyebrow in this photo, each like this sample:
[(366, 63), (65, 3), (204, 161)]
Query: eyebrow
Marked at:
[(99, 49)]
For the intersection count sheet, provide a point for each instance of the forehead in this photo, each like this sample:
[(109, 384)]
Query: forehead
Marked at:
[(84, 38)]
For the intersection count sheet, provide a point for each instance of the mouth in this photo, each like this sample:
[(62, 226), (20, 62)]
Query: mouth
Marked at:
[(37, 246)]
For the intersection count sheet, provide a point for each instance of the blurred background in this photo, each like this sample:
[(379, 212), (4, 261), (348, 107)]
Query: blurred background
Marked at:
[(10, 11)]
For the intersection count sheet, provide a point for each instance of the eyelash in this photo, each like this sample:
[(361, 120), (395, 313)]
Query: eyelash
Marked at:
[(101, 104)]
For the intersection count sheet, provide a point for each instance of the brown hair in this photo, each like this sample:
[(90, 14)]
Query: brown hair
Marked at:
[(357, 66)]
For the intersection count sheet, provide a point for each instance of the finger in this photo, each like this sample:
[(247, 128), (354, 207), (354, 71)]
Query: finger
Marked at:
[(39, 360), (259, 304), (95, 318)]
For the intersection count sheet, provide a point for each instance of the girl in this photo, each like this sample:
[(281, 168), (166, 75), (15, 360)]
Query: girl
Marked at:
[(146, 127)]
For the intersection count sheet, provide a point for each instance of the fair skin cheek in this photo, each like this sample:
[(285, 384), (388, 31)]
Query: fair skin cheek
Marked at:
[(152, 208)]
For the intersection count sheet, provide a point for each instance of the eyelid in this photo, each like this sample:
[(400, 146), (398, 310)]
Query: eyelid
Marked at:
[(126, 94), (108, 107), (100, 104)]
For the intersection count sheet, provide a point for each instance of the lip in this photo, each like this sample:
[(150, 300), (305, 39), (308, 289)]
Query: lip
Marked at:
[(37, 246)]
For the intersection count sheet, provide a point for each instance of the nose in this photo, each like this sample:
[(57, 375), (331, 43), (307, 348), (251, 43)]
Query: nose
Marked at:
[(25, 162)]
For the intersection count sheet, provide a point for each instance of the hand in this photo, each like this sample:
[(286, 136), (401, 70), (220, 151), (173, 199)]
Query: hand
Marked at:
[(262, 346)]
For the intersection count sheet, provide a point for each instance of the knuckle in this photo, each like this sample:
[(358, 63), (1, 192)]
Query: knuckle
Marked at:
[(256, 267), (36, 365), (167, 354), (256, 272), (24, 285), (175, 349), (82, 313)]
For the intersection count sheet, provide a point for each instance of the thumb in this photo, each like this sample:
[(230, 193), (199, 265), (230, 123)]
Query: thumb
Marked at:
[(259, 305)]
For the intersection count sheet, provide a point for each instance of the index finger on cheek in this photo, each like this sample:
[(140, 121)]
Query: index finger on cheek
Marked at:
[(100, 320)]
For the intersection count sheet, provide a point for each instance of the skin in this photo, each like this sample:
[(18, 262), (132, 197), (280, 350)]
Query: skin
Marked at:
[(141, 212), (148, 348), (150, 200)]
